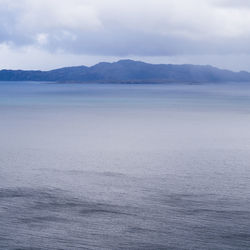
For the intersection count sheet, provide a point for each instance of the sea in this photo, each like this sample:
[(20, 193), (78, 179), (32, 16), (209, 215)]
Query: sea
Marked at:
[(124, 166)]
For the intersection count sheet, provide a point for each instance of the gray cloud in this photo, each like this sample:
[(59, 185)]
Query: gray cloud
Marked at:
[(121, 28), (234, 4)]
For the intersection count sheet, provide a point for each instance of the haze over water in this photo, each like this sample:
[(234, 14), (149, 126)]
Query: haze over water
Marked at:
[(99, 166)]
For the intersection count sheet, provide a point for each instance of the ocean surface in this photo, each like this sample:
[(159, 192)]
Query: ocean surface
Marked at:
[(106, 166)]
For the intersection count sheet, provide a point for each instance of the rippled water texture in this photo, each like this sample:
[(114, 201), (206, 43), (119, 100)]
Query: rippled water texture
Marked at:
[(97, 166)]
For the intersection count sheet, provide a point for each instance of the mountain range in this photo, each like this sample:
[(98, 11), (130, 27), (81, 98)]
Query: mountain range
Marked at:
[(129, 71)]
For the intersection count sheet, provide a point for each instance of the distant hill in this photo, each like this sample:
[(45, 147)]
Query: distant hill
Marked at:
[(129, 71)]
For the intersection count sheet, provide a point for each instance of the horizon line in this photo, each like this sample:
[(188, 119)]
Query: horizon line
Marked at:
[(117, 61)]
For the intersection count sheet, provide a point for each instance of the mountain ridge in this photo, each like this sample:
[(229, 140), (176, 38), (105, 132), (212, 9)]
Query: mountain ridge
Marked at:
[(128, 71)]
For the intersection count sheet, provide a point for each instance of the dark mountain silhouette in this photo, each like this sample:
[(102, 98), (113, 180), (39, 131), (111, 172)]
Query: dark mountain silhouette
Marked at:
[(129, 71)]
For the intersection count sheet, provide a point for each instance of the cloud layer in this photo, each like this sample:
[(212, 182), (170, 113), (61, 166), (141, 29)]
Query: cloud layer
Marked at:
[(119, 28)]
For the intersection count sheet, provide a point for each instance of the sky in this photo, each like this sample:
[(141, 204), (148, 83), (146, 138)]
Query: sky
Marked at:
[(47, 34)]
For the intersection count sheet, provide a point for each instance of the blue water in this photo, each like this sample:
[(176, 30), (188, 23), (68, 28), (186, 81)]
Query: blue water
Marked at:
[(106, 166)]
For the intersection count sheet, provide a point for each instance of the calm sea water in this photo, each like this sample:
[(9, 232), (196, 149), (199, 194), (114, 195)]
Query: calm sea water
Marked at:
[(124, 166)]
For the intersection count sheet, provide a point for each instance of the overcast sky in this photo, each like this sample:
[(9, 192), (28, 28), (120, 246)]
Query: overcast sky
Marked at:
[(46, 34)]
